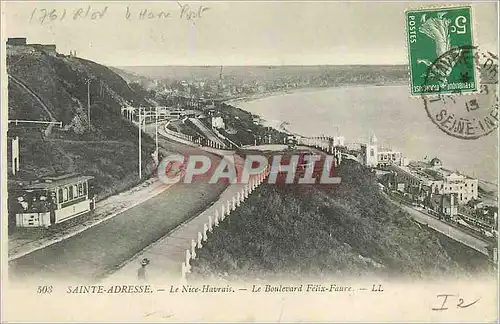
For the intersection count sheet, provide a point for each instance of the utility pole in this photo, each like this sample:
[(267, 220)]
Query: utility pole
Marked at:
[(156, 131), (140, 145), (88, 100)]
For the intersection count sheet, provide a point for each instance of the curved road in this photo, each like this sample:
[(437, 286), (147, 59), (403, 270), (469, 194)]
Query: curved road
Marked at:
[(207, 132), (100, 250)]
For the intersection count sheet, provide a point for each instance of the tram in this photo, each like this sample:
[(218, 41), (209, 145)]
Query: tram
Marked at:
[(52, 200)]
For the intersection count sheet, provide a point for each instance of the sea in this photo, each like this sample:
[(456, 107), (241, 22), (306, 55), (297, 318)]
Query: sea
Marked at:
[(398, 121)]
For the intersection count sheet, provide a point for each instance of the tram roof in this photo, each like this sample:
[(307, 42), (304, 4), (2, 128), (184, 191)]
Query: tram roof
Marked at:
[(51, 182)]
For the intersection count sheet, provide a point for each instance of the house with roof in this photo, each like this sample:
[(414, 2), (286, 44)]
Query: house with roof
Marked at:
[(426, 179)]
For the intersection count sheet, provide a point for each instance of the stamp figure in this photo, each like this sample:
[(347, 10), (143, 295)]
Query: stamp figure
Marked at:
[(431, 33)]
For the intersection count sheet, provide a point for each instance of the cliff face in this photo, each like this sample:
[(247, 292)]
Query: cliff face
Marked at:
[(54, 88)]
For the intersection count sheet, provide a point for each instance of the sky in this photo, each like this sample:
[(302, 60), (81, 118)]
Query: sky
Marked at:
[(229, 33)]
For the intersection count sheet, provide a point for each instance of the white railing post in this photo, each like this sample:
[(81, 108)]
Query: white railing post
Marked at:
[(205, 229), (228, 207), (238, 201), (223, 213), (200, 238), (188, 258), (216, 218), (210, 229), (234, 203), (183, 271), (193, 249)]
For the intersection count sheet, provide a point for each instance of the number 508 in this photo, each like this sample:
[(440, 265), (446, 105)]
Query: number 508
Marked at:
[(44, 289)]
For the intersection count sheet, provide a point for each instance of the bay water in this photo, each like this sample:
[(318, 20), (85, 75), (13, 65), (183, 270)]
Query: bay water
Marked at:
[(398, 121)]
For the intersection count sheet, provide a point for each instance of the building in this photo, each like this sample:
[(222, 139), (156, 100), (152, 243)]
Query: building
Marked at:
[(427, 179), (445, 205), (49, 49), (465, 187), (370, 152), (218, 122), (16, 41), (388, 157), (338, 141), (435, 162)]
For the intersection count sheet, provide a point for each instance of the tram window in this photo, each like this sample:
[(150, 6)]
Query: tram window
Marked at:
[(84, 188), (80, 189), (65, 194), (75, 190), (70, 192), (60, 195)]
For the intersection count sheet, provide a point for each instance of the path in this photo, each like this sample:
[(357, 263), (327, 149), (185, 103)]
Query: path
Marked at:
[(207, 132), (448, 230), (168, 254)]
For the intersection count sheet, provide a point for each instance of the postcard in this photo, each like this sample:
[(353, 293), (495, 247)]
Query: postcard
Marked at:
[(249, 161)]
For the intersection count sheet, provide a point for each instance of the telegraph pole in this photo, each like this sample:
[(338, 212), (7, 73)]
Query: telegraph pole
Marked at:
[(88, 100), (140, 145), (156, 131)]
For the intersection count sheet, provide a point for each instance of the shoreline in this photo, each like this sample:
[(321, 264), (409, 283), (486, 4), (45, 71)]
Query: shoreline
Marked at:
[(234, 102), (274, 123)]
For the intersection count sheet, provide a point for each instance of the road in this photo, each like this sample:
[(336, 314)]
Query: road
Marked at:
[(448, 230), (168, 253), (99, 250), (208, 133)]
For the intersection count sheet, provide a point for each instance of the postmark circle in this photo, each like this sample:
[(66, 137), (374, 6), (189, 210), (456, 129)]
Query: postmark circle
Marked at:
[(465, 116)]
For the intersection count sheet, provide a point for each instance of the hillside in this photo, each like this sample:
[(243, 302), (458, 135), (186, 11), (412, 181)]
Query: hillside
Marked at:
[(132, 77), (54, 88), (294, 232)]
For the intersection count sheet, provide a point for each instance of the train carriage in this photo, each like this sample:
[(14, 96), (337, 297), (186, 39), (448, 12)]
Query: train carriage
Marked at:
[(53, 200)]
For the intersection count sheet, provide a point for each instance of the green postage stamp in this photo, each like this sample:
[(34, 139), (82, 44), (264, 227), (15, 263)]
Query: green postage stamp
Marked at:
[(440, 50)]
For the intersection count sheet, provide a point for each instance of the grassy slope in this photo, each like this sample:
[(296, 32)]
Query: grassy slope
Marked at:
[(108, 151), (294, 231)]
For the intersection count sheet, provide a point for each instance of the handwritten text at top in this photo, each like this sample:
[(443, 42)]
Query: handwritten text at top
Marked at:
[(188, 12)]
